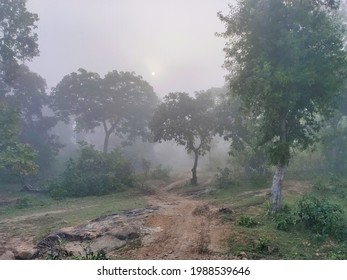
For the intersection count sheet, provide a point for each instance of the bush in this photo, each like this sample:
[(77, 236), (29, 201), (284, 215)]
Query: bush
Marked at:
[(93, 173), (286, 219), (321, 216), (224, 178), (160, 173)]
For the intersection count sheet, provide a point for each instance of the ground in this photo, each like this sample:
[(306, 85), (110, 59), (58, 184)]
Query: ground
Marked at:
[(186, 228), (174, 225)]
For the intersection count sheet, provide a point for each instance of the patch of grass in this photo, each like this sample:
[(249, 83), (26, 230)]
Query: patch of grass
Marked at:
[(247, 221), (51, 215), (265, 242), (282, 236)]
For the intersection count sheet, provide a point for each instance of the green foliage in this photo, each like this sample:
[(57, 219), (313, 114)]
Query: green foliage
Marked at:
[(286, 219), (17, 44), (14, 155), (224, 179), (88, 254), (35, 127), (276, 69), (93, 173), (321, 216), (288, 66), (247, 221)]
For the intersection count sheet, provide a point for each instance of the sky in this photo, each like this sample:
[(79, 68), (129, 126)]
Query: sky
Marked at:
[(170, 43)]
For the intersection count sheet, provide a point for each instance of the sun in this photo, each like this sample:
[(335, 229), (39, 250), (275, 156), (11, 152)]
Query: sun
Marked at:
[(153, 73)]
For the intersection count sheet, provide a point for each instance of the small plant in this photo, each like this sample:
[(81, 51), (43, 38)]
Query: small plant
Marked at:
[(247, 221), (262, 246), (90, 255)]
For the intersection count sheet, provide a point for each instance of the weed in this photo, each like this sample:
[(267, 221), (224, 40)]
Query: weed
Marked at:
[(247, 221), (262, 246), (88, 254)]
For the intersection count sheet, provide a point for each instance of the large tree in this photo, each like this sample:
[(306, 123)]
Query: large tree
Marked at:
[(121, 103), (18, 43), (188, 121), (288, 65), (36, 122)]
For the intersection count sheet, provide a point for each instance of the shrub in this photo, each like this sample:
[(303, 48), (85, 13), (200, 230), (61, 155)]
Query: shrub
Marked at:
[(286, 219), (160, 173), (93, 173), (224, 178), (321, 216)]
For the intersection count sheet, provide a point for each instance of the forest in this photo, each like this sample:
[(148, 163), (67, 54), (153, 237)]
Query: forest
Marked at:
[(101, 166)]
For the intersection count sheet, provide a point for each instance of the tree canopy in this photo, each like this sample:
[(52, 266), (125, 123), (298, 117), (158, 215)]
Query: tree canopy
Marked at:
[(288, 65), (18, 43), (121, 102)]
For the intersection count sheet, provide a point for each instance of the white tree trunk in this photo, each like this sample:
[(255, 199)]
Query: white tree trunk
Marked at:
[(276, 189)]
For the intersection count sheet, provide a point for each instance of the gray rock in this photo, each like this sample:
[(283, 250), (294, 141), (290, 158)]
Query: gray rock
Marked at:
[(8, 255), (106, 243)]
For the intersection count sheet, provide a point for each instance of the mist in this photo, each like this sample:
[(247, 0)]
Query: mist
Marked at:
[(174, 39)]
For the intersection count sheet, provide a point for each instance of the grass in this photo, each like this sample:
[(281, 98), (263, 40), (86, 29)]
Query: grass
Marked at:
[(261, 240), (45, 215)]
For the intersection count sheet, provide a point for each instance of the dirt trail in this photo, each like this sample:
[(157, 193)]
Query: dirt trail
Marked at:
[(183, 228), (173, 226)]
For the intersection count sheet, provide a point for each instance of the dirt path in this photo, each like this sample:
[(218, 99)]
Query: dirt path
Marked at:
[(179, 227), (183, 228)]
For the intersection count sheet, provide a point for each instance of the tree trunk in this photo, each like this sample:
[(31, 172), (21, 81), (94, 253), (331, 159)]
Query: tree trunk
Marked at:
[(108, 132), (107, 137), (276, 189), (194, 180)]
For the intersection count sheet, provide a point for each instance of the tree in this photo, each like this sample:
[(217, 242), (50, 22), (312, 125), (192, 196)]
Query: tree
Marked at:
[(186, 120), (121, 102), (288, 65), (17, 44), (14, 155), (239, 130), (18, 41), (29, 91)]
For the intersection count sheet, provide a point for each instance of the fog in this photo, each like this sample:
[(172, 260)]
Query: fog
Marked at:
[(171, 44), (175, 40)]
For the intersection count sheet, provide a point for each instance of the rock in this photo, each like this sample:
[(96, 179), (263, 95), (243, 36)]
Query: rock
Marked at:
[(242, 255), (106, 243), (8, 255), (25, 253), (127, 234)]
